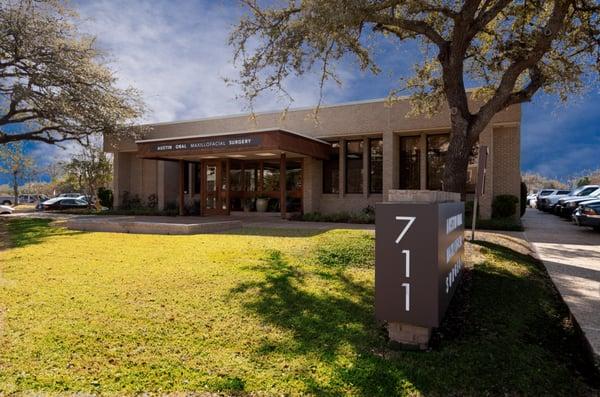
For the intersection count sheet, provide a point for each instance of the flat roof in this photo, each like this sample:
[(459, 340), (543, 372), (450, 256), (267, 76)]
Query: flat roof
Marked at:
[(298, 109)]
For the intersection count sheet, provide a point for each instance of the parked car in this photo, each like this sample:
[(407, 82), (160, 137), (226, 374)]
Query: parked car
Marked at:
[(547, 202), (588, 215), (5, 209), (7, 200), (64, 203), (32, 198), (572, 204), (568, 204), (543, 193)]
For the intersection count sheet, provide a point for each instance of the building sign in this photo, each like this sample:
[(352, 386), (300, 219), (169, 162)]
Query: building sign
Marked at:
[(419, 260), (207, 144)]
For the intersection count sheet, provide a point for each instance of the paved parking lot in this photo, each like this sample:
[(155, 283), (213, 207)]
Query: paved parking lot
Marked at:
[(571, 255)]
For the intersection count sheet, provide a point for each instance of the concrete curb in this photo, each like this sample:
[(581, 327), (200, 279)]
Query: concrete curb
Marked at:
[(144, 227)]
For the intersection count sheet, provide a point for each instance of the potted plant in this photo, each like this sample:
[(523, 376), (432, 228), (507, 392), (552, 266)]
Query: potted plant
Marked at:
[(261, 203)]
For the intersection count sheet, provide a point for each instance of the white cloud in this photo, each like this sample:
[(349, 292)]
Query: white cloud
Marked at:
[(177, 54)]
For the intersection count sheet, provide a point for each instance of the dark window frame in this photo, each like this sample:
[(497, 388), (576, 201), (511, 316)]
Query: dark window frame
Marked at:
[(404, 183), (332, 165), (361, 153), (428, 182)]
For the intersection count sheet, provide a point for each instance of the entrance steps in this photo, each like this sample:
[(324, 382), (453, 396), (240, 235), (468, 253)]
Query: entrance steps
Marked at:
[(151, 226)]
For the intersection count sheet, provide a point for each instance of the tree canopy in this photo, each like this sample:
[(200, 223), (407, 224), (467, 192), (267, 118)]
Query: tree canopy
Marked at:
[(509, 50), (55, 84)]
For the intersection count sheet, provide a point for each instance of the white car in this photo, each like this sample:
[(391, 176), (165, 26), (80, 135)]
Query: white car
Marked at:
[(547, 202), (5, 209), (531, 199)]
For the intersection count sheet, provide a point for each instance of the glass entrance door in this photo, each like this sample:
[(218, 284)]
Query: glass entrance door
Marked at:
[(214, 194)]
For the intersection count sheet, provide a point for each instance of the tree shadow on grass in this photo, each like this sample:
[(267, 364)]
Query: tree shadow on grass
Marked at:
[(510, 340), (28, 231)]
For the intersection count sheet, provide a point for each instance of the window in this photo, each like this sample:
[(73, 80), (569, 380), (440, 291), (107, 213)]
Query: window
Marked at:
[(587, 191), (331, 170), (250, 176), (410, 163), (354, 166), (235, 176), (437, 147), (293, 175), (271, 176), (375, 165)]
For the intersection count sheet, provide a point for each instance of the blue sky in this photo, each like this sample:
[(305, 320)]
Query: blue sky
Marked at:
[(176, 54)]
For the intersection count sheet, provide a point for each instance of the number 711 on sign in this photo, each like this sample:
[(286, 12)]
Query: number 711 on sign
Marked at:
[(409, 221)]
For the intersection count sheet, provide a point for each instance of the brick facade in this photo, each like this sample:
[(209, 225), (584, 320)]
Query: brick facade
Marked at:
[(362, 120)]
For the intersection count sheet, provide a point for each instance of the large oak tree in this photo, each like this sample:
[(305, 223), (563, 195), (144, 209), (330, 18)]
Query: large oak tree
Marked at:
[(510, 50), (55, 85)]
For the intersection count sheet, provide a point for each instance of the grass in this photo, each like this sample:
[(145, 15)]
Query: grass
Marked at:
[(271, 311)]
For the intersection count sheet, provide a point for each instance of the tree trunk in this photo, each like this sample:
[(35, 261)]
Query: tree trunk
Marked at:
[(15, 186), (457, 157)]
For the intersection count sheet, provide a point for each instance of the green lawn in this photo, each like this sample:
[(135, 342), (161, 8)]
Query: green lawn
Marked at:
[(272, 311)]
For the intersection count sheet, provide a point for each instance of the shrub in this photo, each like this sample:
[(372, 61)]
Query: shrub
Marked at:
[(364, 217), (369, 210), (504, 206), (130, 202), (105, 196), (523, 201), (152, 201)]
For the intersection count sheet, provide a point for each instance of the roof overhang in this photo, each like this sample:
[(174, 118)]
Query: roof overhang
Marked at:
[(236, 142)]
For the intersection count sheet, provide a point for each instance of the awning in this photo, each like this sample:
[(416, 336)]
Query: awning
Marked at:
[(280, 141)]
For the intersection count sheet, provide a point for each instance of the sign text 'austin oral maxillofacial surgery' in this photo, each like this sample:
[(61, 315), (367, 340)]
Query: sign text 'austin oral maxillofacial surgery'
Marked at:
[(208, 144)]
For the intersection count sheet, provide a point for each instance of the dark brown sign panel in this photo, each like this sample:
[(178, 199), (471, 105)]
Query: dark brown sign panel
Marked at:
[(419, 260), (227, 142)]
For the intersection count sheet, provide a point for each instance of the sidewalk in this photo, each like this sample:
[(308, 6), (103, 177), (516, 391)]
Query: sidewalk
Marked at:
[(571, 255)]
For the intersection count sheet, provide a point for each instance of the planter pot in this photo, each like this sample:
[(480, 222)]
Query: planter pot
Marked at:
[(261, 204)]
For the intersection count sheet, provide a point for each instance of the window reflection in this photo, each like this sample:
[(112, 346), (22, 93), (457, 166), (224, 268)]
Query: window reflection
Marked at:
[(437, 147), (331, 170), (375, 165), (354, 166), (410, 163)]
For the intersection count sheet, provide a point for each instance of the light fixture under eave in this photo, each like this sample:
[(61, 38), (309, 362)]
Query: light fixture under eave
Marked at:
[(265, 154), (236, 156), (209, 157)]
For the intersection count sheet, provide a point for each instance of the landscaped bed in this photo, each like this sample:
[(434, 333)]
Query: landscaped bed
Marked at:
[(276, 311)]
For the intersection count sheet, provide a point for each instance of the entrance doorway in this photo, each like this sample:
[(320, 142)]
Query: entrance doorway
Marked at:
[(215, 189)]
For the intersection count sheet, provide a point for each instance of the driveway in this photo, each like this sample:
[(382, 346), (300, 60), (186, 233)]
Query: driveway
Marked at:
[(571, 255)]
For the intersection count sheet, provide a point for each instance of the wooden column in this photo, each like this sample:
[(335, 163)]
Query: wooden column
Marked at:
[(181, 186), (228, 179), (282, 187)]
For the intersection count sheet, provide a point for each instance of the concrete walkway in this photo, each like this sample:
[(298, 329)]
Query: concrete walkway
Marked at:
[(571, 255)]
